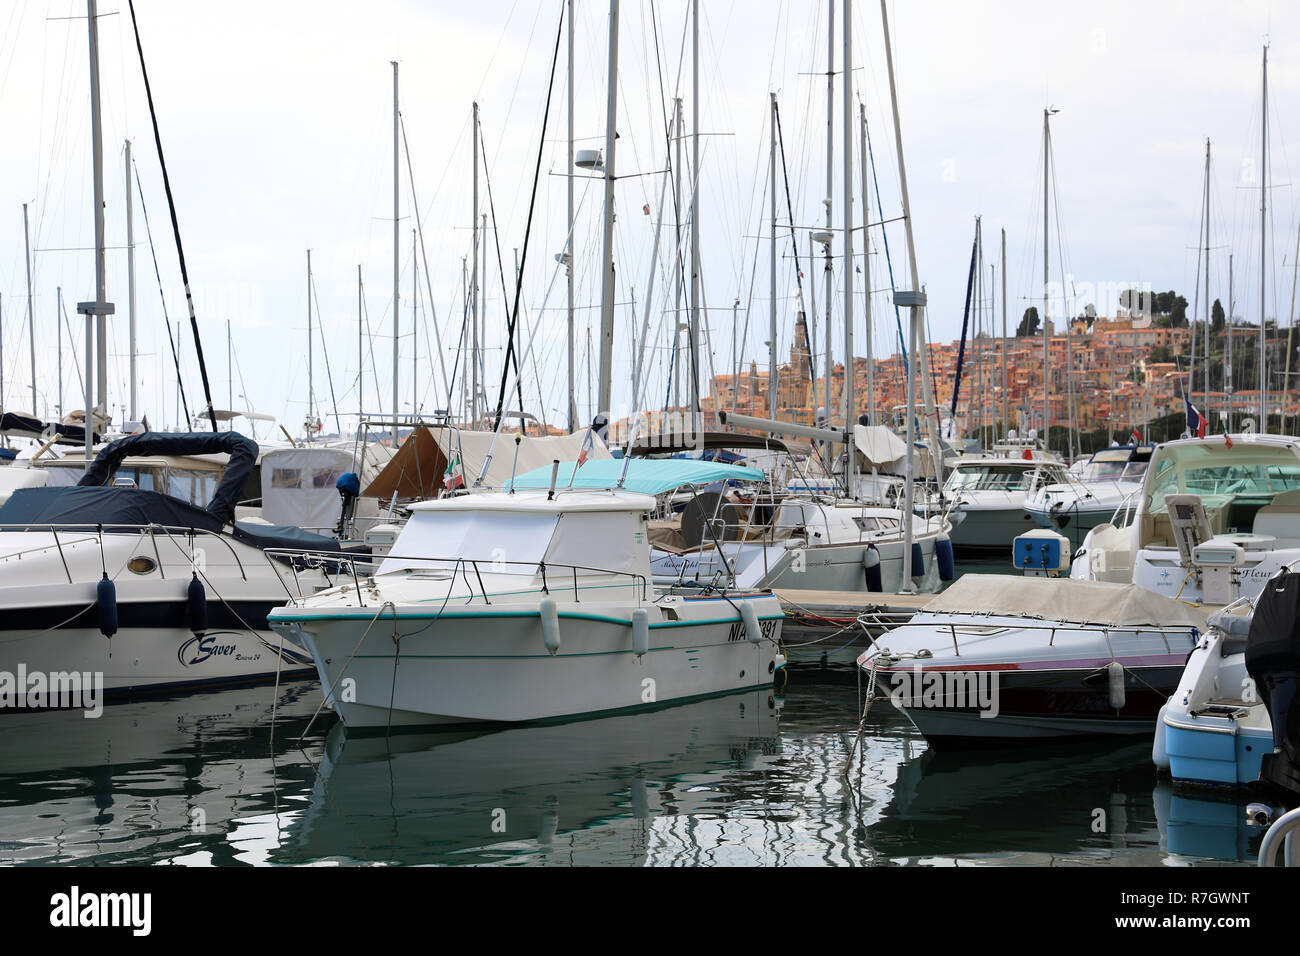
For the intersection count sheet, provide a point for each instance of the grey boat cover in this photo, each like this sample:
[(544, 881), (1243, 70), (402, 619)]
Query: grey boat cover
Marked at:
[(1066, 600)]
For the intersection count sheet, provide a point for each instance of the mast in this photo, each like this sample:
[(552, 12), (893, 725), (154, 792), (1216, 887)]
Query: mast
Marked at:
[(311, 409), (361, 353), (1263, 251), (830, 186), (607, 260), (1004, 333), (130, 291), (1227, 366), (1206, 404), (771, 332), (677, 259), (1047, 338), (974, 394), (474, 290), (100, 309), (695, 216), (915, 299), (850, 419), (31, 325), (866, 272), (230, 374), (58, 313), (397, 317), (568, 246)]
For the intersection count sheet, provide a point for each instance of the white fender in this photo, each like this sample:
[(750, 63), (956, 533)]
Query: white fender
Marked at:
[(1159, 746), (1115, 677), (550, 615), (640, 631), (750, 616)]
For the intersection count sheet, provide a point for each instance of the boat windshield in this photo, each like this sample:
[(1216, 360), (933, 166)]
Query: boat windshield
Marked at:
[(1253, 476), (1114, 470), (989, 478), (1135, 471), (1103, 470)]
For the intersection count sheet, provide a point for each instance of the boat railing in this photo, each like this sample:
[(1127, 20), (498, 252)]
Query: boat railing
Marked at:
[(1281, 837), (96, 532), (1124, 506), (987, 627), (343, 564)]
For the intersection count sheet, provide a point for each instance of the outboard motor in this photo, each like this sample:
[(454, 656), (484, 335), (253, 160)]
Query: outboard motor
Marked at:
[(349, 487), (1273, 662)]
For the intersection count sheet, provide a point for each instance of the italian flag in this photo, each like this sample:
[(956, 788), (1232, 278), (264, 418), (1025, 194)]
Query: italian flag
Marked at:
[(454, 477)]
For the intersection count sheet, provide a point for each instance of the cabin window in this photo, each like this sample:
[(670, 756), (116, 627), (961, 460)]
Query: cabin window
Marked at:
[(286, 477)]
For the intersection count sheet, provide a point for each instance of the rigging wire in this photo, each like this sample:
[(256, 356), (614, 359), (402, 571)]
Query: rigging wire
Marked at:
[(519, 280), (176, 360), (176, 230)]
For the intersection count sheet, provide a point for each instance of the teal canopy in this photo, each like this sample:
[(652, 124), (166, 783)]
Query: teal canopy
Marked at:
[(649, 476)]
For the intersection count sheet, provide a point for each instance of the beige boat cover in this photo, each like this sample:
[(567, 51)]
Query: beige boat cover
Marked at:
[(417, 469), (878, 445), (1066, 600)]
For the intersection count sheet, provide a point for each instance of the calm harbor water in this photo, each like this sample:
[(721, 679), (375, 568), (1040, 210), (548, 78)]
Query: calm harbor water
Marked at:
[(752, 779), (256, 776)]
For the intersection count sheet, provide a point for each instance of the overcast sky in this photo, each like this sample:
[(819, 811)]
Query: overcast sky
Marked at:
[(276, 119)]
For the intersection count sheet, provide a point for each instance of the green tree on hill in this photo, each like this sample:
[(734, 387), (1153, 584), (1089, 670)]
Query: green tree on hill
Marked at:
[(1029, 323)]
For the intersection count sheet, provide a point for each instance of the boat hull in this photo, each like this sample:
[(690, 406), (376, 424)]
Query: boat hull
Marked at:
[(491, 664), (1040, 705), (990, 530), (1212, 735)]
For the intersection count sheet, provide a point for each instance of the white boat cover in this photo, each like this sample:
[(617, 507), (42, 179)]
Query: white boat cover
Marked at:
[(878, 445), (1065, 599)]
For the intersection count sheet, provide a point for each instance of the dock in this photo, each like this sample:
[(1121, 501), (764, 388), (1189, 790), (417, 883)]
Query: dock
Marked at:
[(837, 608), (821, 626)]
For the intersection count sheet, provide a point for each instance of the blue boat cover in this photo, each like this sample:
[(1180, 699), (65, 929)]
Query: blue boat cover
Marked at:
[(103, 506), (284, 536), (242, 452), (649, 476)]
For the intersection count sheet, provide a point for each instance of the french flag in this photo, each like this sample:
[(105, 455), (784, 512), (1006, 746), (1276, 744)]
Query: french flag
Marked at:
[(1195, 421)]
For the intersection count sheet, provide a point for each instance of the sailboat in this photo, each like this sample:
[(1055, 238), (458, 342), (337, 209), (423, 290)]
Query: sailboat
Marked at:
[(835, 540)]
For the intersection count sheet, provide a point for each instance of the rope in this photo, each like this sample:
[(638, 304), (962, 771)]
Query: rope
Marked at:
[(871, 696), (329, 693)]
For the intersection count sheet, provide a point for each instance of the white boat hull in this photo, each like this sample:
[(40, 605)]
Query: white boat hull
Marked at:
[(490, 664)]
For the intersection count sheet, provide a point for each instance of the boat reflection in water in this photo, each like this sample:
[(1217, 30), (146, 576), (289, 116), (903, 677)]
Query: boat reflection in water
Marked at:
[(188, 778), (1203, 824), (746, 779), (1081, 803), (575, 793)]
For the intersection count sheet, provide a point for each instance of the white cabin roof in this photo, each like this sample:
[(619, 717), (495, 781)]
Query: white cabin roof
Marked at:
[(564, 502)]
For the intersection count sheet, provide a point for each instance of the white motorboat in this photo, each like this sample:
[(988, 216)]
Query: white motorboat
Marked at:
[(986, 499), (1214, 730), (1216, 520), (524, 606), (997, 658), (112, 590), (1108, 481)]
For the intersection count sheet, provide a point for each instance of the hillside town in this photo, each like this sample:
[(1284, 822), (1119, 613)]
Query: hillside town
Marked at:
[(1108, 373)]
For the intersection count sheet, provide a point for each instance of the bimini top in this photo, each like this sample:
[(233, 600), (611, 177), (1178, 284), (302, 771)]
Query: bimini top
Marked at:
[(1066, 600), (89, 507), (648, 476)]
